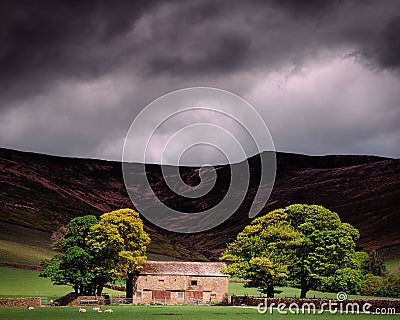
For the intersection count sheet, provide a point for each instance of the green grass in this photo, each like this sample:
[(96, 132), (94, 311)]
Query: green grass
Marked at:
[(166, 312), (23, 245), (287, 292), (13, 252), (27, 283)]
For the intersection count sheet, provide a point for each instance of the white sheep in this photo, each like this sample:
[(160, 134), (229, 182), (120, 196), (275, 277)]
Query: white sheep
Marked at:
[(96, 308), (82, 310), (108, 311), (31, 308)]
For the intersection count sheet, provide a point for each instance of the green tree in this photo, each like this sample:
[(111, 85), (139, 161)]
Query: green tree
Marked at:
[(374, 264), (93, 252), (74, 266), (328, 245), (263, 251), (118, 243)]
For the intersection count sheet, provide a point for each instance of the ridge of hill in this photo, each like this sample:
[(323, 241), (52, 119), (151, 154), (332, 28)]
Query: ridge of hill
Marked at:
[(41, 192)]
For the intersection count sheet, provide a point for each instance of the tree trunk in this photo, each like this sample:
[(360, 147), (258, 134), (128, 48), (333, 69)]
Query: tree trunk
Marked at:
[(270, 291), (305, 286), (99, 288), (303, 292), (129, 285)]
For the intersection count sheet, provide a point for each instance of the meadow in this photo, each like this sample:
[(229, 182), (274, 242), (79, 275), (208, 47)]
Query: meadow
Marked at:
[(27, 283), (166, 312)]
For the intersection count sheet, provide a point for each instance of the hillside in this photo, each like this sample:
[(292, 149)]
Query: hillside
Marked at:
[(40, 192)]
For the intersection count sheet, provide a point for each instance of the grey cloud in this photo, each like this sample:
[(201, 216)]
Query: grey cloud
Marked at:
[(50, 50)]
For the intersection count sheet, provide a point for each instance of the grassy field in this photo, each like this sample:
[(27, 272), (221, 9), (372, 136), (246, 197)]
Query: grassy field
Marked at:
[(26, 283), (282, 292), (166, 312)]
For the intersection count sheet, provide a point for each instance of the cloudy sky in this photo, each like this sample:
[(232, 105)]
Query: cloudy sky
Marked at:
[(324, 75)]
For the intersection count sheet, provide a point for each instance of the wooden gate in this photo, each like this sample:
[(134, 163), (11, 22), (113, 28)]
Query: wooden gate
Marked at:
[(161, 295), (194, 295)]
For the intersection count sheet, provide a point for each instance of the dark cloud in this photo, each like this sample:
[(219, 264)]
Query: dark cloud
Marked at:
[(53, 40), (88, 67), (387, 49)]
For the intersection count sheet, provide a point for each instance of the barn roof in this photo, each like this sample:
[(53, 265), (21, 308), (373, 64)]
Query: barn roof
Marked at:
[(212, 269)]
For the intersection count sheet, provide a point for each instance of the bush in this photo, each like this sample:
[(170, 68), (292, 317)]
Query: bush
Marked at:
[(390, 287), (347, 280), (371, 285)]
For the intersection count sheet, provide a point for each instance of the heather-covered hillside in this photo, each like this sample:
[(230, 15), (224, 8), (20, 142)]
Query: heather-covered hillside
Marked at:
[(43, 192)]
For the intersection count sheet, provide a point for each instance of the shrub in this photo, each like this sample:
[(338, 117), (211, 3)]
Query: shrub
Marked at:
[(347, 280), (371, 285)]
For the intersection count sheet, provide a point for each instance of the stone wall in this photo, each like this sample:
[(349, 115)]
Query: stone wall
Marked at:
[(88, 301), (181, 289), (20, 302)]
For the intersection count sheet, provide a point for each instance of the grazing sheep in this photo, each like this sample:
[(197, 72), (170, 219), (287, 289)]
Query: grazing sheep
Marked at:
[(82, 310), (96, 308), (108, 311), (31, 308)]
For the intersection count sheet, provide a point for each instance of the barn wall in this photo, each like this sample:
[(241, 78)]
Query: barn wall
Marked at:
[(211, 287)]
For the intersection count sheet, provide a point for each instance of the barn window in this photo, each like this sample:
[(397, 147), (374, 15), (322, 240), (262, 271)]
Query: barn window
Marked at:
[(138, 294), (213, 295), (193, 283), (180, 295)]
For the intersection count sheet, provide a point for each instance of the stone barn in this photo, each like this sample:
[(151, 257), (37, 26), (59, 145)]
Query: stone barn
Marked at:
[(181, 282)]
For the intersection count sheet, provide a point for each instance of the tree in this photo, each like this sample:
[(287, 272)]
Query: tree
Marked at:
[(308, 243), (328, 245), (93, 252), (374, 264), (263, 251), (118, 242), (73, 266)]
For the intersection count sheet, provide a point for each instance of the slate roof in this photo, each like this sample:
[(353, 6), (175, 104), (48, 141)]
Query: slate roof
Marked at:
[(211, 269)]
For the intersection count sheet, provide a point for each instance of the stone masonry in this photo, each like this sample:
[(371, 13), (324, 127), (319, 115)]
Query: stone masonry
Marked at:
[(181, 282)]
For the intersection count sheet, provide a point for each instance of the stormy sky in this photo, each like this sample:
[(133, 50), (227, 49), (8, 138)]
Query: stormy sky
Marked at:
[(324, 75)]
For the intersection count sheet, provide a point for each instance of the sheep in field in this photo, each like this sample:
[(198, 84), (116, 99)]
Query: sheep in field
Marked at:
[(82, 310), (108, 311)]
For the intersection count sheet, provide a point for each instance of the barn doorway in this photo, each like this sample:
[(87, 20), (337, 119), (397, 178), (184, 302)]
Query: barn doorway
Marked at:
[(194, 296), (161, 296)]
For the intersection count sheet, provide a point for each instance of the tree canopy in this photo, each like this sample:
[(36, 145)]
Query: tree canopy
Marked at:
[(96, 252), (263, 251), (304, 243)]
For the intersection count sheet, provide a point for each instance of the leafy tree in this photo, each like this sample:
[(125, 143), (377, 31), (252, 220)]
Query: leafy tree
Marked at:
[(328, 245), (374, 264), (308, 243), (118, 243), (74, 266), (263, 251), (93, 252)]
